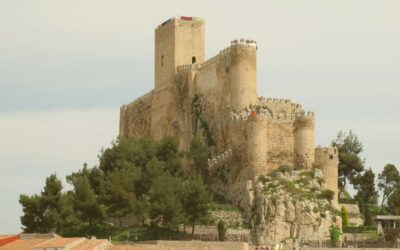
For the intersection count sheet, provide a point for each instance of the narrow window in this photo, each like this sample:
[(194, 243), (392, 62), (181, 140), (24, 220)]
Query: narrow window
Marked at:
[(162, 61), (193, 59)]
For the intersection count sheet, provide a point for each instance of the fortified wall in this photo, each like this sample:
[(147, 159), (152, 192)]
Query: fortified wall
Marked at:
[(216, 100)]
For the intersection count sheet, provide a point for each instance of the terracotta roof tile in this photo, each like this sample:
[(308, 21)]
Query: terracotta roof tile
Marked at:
[(90, 244), (134, 247), (59, 242), (23, 244)]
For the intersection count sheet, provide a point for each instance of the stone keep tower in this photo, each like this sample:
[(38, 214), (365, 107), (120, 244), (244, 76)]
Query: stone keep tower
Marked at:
[(178, 41)]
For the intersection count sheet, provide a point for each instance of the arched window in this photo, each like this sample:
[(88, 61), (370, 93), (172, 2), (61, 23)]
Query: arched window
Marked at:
[(193, 59), (162, 61)]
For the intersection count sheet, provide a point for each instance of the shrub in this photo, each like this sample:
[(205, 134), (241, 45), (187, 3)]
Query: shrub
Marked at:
[(285, 169), (326, 194), (360, 229), (221, 230), (334, 233), (345, 217), (307, 173), (263, 179), (347, 201), (392, 235)]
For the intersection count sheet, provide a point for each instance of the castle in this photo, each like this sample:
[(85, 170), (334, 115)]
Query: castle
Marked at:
[(216, 100)]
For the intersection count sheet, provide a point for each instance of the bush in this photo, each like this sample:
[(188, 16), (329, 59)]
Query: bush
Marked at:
[(263, 179), (392, 235), (334, 232), (326, 194), (347, 201), (360, 229), (285, 169), (345, 217), (221, 230), (281, 169)]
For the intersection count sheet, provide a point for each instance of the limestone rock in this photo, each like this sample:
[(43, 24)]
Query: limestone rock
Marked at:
[(292, 211)]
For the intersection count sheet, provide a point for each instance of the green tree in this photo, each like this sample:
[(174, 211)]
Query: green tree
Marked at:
[(120, 197), (350, 163), (394, 202), (366, 194), (345, 216), (196, 200), (85, 204), (221, 230), (167, 151), (388, 182), (200, 153), (95, 177), (32, 218), (165, 199), (334, 232), (42, 213), (126, 152), (51, 202), (197, 111)]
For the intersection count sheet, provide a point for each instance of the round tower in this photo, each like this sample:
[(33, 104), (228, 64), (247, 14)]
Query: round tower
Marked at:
[(257, 145), (327, 159), (304, 141), (242, 72)]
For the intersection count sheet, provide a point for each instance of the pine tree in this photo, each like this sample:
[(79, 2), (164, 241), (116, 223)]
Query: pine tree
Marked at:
[(388, 182), (196, 200), (85, 203), (165, 198), (366, 194), (350, 163)]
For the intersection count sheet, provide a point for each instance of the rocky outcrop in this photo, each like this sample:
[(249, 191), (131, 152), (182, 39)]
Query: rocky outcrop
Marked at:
[(291, 205)]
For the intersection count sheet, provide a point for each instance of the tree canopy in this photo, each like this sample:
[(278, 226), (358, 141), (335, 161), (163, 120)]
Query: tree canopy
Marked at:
[(350, 164), (140, 177)]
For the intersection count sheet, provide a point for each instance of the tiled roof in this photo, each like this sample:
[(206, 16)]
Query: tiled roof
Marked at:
[(6, 239), (134, 247), (23, 244), (59, 242), (90, 244), (42, 241)]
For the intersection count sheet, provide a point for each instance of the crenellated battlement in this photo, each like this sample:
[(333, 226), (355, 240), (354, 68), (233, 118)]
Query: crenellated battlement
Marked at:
[(216, 58), (275, 100), (183, 18), (324, 153), (140, 100), (266, 114), (245, 42), (187, 67)]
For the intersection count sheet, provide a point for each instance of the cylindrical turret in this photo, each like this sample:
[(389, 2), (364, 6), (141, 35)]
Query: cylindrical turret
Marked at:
[(243, 73), (257, 145), (327, 159), (304, 141)]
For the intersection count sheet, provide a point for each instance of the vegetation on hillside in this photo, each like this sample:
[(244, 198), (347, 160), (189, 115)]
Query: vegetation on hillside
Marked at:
[(142, 178)]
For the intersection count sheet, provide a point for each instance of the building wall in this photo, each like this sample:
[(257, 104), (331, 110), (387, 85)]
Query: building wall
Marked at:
[(280, 143), (257, 142), (327, 158), (135, 118), (304, 141)]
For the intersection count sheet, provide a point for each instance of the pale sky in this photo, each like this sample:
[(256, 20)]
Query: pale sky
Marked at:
[(67, 66)]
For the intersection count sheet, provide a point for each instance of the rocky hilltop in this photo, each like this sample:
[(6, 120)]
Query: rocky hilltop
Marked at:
[(292, 204)]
